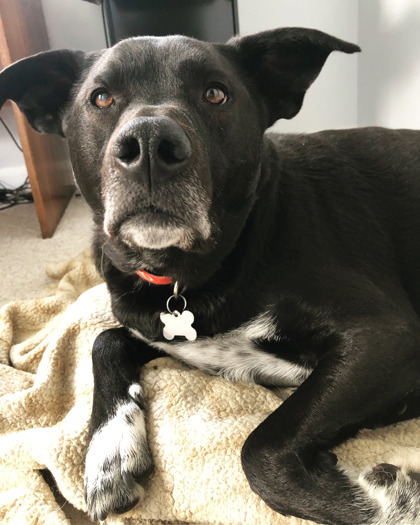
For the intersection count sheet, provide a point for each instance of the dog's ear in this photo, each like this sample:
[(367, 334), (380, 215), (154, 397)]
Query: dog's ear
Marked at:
[(283, 63), (41, 86)]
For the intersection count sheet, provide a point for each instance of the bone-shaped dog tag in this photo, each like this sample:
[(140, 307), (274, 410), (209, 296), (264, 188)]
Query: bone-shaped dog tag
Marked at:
[(178, 324)]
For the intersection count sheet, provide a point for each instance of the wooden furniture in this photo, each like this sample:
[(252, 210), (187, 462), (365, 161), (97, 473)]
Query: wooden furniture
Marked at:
[(23, 33)]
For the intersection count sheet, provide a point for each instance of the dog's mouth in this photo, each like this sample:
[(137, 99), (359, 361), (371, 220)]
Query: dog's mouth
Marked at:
[(153, 216), (155, 229)]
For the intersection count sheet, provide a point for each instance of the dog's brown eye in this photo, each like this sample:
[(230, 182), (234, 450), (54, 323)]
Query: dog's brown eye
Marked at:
[(215, 95), (103, 99)]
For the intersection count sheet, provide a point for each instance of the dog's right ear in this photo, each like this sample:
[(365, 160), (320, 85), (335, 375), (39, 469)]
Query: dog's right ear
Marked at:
[(284, 62), (41, 86)]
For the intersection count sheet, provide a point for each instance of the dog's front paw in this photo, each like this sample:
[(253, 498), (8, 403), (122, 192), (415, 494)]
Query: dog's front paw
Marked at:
[(118, 460)]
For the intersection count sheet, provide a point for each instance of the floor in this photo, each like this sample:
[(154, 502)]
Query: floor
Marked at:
[(24, 255)]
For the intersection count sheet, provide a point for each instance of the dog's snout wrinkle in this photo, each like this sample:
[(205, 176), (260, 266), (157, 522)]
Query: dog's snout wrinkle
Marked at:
[(151, 148)]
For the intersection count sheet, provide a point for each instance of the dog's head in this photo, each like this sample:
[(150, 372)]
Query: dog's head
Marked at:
[(165, 134)]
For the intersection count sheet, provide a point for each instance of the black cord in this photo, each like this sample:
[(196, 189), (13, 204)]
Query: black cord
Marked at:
[(19, 147), (106, 28), (20, 195)]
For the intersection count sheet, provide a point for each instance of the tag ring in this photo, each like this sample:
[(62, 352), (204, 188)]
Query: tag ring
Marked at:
[(178, 296)]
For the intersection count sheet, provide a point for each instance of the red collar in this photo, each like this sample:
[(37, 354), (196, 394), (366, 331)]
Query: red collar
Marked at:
[(155, 279)]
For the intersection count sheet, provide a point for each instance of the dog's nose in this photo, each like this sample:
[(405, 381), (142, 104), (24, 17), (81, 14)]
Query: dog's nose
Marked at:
[(151, 148)]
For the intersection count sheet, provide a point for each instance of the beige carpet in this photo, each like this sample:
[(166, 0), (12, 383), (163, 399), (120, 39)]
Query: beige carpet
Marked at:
[(24, 255)]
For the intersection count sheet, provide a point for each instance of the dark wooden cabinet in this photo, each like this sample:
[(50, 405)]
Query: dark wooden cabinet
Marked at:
[(23, 33)]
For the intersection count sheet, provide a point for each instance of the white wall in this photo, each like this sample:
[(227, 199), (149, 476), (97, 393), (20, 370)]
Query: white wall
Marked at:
[(12, 164), (389, 67), (74, 24), (331, 101)]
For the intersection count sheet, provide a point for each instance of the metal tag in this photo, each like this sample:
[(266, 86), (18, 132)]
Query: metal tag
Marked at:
[(176, 323)]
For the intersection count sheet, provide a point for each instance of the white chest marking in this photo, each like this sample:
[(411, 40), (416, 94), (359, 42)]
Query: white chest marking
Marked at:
[(235, 355)]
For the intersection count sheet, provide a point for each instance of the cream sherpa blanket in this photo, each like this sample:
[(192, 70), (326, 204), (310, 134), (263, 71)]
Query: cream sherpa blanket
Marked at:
[(196, 423)]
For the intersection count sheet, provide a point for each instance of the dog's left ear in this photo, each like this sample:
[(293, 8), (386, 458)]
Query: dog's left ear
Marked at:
[(283, 63), (41, 86)]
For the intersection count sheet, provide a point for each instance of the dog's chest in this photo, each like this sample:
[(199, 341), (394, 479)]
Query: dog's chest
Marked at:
[(237, 356)]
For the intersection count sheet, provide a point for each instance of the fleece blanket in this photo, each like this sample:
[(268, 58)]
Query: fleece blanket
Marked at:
[(196, 423)]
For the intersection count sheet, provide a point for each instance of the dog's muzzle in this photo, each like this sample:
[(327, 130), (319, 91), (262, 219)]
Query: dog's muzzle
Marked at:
[(153, 195), (150, 150)]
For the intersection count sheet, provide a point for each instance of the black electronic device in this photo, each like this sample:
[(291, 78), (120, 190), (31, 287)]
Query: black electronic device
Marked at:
[(210, 20)]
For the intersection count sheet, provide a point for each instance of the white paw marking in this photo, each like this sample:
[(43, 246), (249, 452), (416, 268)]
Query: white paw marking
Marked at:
[(398, 502), (135, 391), (178, 324), (117, 457)]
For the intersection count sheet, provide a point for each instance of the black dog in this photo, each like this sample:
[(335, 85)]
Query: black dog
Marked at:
[(298, 256)]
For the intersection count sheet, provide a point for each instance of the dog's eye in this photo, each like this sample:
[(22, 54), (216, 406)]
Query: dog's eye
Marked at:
[(215, 95), (102, 99)]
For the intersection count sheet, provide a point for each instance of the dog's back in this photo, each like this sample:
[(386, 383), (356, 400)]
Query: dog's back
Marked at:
[(365, 183)]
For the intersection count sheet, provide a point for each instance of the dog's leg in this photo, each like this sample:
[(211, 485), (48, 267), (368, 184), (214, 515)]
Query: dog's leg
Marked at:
[(118, 457), (286, 458)]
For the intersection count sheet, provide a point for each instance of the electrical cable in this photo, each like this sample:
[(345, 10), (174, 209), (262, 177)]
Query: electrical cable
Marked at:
[(19, 147)]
